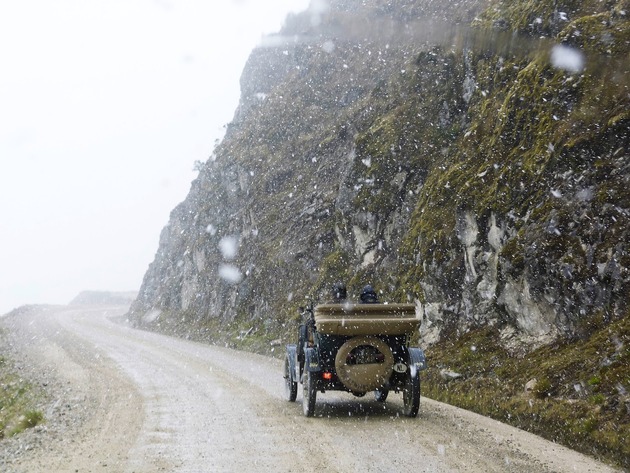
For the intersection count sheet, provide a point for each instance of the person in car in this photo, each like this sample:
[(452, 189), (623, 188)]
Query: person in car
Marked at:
[(368, 295), (339, 293)]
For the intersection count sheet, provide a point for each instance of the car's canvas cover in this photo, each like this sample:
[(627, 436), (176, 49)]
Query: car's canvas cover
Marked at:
[(366, 319)]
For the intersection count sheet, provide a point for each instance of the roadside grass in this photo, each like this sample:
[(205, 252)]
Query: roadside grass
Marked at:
[(578, 390), (242, 333), (17, 401)]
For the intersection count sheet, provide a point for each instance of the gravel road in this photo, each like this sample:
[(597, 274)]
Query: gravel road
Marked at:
[(124, 400)]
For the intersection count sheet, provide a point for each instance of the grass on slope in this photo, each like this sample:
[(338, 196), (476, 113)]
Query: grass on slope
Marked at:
[(17, 401), (579, 394)]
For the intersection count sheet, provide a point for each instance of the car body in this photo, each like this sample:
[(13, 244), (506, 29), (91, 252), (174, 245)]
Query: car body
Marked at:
[(356, 348)]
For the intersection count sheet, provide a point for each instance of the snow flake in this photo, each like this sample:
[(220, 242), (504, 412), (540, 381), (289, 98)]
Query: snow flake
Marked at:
[(211, 229), (230, 273), (567, 58), (152, 315), (229, 247), (328, 46)]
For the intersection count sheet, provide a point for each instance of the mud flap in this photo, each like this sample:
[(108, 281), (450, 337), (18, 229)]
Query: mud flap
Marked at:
[(292, 357), (312, 360)]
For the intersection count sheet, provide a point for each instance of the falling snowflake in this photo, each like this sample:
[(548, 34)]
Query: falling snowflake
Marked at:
[(567, 58)]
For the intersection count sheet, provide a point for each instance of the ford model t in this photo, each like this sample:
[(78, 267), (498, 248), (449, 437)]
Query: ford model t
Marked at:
[(356, 348)]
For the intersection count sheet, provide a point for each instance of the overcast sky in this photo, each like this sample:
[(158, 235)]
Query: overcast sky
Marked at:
[(105, 105)]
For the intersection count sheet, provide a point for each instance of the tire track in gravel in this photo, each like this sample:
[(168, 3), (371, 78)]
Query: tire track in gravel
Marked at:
[(95, 404)]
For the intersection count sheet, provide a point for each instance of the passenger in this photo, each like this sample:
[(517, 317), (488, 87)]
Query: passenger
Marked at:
[(339, 293), (368, 295), (308, 326)]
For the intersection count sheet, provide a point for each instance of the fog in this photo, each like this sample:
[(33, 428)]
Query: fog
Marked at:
[(104, 109)]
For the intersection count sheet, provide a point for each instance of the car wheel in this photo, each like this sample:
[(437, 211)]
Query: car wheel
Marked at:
[(309, 394), (411, 393), (290, 386), (381, 394)]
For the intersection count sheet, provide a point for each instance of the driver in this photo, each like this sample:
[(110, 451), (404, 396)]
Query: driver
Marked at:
[(339, 293), (368, 295)]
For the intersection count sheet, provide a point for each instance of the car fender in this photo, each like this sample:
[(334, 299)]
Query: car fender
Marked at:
[(302, 338), (417, 360)]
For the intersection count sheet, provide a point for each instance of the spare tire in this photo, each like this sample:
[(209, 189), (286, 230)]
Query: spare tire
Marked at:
[(364, 364)]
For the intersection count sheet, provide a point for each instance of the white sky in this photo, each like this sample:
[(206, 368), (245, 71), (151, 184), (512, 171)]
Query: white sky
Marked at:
[(105, 105)]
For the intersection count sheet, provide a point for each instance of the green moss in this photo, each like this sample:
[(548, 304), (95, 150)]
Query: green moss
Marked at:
[(576, 401), (538, 17), (597, 399), (27, 420), (543, 388), (409, 131), (18, 399), (513, 253), (605, 34), (594, 381)]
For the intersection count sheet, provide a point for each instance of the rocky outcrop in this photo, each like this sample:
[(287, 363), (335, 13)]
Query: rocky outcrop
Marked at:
[(104, 298), (460, 169)]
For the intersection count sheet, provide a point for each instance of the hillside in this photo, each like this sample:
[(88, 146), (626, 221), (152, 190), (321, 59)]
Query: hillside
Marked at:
[(104, 298), (471, 157)]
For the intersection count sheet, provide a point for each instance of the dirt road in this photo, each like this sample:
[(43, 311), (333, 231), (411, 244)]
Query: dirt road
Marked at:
[(132, 401)]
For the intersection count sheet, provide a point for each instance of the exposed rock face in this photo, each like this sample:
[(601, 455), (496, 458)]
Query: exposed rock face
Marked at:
[(444, 165)]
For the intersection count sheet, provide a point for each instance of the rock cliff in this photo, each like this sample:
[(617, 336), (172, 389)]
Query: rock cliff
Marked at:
[(470, 156)]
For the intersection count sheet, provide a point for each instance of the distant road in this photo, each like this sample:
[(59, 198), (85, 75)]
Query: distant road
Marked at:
[(144, 402)]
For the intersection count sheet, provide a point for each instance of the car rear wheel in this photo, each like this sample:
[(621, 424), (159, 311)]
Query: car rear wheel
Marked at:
[(290, 386), (411, 393), (309, 393)]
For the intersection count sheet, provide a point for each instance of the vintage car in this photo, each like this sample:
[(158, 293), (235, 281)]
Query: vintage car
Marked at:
[(356, 348)]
